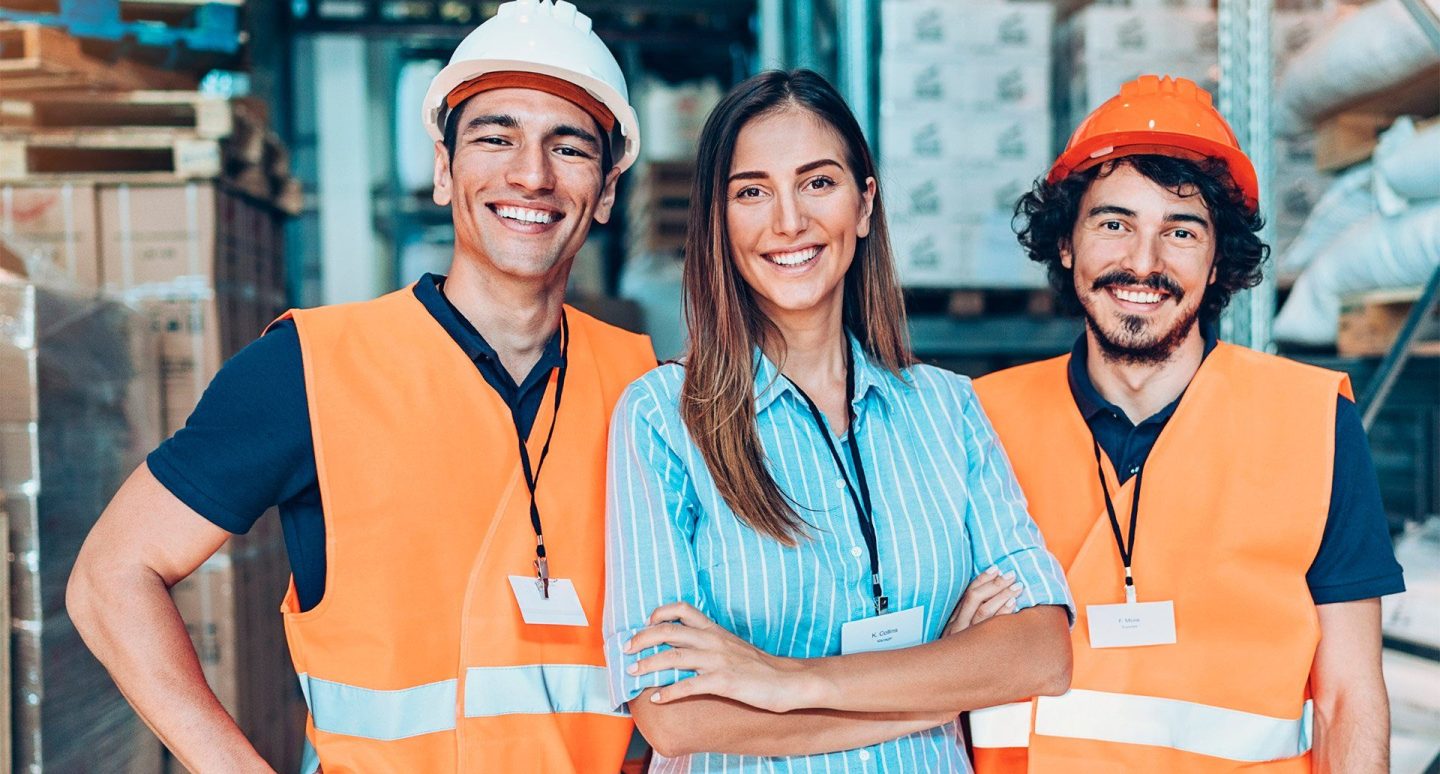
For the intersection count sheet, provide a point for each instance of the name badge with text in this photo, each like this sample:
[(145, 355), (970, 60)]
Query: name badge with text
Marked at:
[(1131, 624), (891, 631), (561, 609)]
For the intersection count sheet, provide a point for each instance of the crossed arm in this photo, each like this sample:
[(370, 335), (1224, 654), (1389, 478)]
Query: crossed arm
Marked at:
[(745, 701)]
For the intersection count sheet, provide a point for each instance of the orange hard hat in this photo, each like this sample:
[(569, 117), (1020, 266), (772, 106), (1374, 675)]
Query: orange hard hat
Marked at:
[(1163, 116)]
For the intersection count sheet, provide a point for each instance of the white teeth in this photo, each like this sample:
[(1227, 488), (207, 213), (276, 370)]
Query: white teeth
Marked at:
[(793, 258), (1135, 297), (525, 214)]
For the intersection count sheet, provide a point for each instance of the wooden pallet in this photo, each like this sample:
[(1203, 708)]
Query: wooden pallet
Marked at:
[(1349, 135), (34, 58), (1370, 323), (59, 154), (131, 112)]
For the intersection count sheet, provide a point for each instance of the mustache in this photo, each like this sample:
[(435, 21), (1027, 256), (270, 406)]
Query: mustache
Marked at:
[(1163, 282)]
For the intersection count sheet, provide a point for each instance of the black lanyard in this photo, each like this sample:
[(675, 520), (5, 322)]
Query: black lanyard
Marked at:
[(532, 476), (863, 506), (1127, 553)]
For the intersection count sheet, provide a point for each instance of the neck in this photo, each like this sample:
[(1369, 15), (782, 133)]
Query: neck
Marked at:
[(814, 358), (516, 316), (1142, 389)]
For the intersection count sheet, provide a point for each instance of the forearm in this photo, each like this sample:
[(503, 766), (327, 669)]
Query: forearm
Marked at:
[(710, 724), (1352, 734), (128, 620), (1001, 660)]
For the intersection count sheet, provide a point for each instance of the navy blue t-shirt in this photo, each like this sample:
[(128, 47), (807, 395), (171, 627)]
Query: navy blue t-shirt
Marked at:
[(247, 445), (1356, 559)]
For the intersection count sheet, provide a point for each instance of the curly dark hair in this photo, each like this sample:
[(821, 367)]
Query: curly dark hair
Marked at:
[(1045, 218)]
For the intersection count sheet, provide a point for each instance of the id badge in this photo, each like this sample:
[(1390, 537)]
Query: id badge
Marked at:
[(561, 609), (890, 631), (1131, 624)]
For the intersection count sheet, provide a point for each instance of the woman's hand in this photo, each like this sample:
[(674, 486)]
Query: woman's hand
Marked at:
[(992, 593), (725, 665)]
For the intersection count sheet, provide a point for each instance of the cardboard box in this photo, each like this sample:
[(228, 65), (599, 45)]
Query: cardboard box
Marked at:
[(927, 252), (1158, 34), (158, 235), (971, 84), (944, 29), (960, 191), (59, 221), (909, 133)]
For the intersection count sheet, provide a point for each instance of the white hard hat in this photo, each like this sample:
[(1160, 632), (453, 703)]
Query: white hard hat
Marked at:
[(546, 38)]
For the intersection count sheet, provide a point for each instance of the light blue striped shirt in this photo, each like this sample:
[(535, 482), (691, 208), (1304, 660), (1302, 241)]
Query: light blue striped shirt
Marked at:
[(947, 507)]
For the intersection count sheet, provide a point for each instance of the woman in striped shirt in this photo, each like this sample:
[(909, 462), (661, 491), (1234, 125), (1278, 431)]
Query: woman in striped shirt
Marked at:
[(798, 494)]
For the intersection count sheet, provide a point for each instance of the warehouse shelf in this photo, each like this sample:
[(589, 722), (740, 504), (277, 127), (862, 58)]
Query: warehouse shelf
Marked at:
[(205, 27)]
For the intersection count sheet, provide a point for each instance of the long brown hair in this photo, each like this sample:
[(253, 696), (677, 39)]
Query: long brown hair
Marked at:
[(717, 400)]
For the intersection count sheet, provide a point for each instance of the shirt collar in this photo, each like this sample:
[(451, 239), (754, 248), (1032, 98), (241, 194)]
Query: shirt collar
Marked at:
[(770, 384), (474, 345), (1091, 402)]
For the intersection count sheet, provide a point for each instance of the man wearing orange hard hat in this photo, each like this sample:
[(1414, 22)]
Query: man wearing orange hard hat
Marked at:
[(1238, 626), (446, 598)]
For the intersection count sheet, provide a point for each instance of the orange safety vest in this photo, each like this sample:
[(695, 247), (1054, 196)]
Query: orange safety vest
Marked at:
[(1234, 504), (416, 659)]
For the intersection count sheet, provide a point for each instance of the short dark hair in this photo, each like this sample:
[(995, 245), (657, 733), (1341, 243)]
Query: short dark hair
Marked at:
[(452, 137), (1045, 219)]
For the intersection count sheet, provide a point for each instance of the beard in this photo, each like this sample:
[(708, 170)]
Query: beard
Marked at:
[(1131, 342)]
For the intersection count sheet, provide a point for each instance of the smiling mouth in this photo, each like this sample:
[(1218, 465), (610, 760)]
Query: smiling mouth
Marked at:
[(526, 215), (1147, 297), (793, 258)]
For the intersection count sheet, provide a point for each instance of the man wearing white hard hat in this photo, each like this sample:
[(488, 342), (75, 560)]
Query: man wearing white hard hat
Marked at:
[(444, 609)]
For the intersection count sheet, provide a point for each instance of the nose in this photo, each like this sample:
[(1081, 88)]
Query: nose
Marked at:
[(789, 217), (531, 170), (1144, 258)]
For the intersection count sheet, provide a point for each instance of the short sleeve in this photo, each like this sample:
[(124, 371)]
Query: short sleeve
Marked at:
[(649, 524), (1356, 559), (247, 445), (1002, 533)]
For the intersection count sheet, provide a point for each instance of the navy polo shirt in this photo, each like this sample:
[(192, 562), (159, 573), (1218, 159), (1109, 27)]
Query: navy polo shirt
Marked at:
[(1356, 559), (247, 446)]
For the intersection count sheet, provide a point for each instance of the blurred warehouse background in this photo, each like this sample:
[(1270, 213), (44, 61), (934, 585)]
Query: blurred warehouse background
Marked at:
[(176, 173)]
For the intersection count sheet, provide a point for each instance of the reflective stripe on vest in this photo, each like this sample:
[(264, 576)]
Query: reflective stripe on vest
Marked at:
[(1007, 725), (537, 689), (1116, 717)]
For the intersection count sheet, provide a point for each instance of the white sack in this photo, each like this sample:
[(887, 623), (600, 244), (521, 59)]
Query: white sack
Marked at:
[(1374, 254), (1348, 201), (1407, 163), (1378, 46)]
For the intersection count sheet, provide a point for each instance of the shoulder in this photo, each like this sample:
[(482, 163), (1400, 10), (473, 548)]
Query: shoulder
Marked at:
[(930, 383), (656, 391), (1281, 377)]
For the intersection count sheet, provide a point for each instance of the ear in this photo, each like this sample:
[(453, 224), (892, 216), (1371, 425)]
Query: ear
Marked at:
[(1067, 254), (867, 208), (606, 202), (1214, 273), (442, 192)]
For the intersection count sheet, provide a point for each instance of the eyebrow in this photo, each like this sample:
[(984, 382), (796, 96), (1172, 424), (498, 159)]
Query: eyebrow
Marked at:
[(567, 130), (501, 120), (1185, 217), (1109, 209), (800, 170)]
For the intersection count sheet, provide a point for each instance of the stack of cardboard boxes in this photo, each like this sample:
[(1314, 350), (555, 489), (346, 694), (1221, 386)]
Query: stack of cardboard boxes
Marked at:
[(199, 266), (76, 412), (965, 128)]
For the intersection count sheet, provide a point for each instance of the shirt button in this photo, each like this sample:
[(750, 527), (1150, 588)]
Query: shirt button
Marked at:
[(839, 483), (864, 755), (855, 551)]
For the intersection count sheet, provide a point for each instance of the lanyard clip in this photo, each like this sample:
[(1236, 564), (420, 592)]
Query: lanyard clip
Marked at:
[(1129, 587), (881, 605), (542, 576)]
